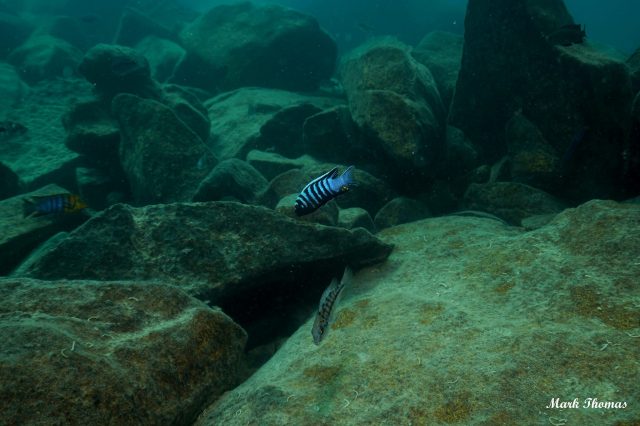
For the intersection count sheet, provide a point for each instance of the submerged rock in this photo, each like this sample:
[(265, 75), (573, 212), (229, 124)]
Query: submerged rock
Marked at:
[(38, 155), (532, 160), (213, 250), (510, 201), (92, 131), (12, 88), (266, 119), (474, 317), (9, 182), (163, 56), (233, 179), (395, 100), (268, 46), (116, 69), (509, 66), (270, 164), (400, 210), (133, 352), (441, 52), (45, 58), (158, 152)]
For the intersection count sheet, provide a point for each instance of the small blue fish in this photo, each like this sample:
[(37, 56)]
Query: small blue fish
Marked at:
[(42, 205), (322, 190), (328, 301)]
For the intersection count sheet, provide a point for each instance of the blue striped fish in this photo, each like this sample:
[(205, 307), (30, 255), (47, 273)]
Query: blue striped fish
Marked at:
[(42, 205), (328, 301), (322, 190)]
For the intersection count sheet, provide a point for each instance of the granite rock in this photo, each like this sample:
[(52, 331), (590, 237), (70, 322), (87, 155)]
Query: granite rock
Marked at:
[(257, 118), (158, 152), (261, 45), (400, 210), (510, 66), (79, 352), (510, 201), (441, 52), (215, 250), (395, 102), (233, 179), (465, 323)]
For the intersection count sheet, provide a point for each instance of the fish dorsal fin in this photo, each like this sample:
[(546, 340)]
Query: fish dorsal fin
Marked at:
[(327, 291), (331, 173)]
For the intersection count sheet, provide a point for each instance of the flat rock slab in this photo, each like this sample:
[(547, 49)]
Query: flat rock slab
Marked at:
[(469, 322), (206, 248), (80, 352), (239, 117)]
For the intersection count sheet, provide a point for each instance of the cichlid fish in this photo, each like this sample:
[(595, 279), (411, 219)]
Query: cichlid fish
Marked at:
[(328, 301), (42, 205), (322, 190)]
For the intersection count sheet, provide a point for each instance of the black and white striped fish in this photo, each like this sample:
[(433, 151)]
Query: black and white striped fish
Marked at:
[(328, 301), (322, 190)]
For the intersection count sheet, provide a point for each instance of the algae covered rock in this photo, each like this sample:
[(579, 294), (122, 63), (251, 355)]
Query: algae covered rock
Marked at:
[(209, 249), (92, 131), (80, 352), (400, 210), (465, 323), (231, 178), (441, 52), (257, 118), (510, 201), (510, 64), (114, 69), (268, 46), (395, 100), (158, 152)]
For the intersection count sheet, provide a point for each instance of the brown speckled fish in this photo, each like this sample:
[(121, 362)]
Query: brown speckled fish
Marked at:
[(327, 303)]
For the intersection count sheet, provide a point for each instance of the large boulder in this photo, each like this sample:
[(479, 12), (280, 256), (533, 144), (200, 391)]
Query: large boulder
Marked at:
[(158, 152), (163, 56), (576, 95), (441, 52), (468, 322), (114, 69), (256, 118), (269, 46), (213, 250), (20, 235), (82, 352), (395, 101)]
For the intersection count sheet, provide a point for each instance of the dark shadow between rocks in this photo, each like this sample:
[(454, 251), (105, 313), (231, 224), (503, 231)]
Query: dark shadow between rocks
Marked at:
[(273, 311)]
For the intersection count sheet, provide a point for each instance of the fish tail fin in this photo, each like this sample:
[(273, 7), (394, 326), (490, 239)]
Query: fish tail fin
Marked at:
[(346, 178), (28, 207), (347, 276)]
